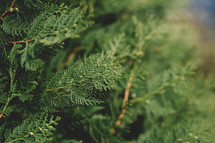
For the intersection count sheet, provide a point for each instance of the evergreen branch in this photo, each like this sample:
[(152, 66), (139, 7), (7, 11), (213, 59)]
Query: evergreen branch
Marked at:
[(127, 90), (5, 107), (148, 95), (8, 9), (82, 83), (36, 128), (6, 104), (61, 87), (125, 100), (18, 42), (12, 76)]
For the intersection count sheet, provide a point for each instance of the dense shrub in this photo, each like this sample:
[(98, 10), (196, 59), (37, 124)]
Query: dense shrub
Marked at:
[(100, 71)]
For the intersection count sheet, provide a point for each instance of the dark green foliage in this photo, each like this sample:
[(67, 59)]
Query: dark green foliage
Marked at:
[(74, 60), (33, 129)]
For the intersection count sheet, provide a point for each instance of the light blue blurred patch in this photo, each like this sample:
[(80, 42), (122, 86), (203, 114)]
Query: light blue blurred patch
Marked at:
[(203, 12)]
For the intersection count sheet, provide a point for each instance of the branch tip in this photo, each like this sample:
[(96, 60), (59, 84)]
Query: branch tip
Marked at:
[(10, 9)]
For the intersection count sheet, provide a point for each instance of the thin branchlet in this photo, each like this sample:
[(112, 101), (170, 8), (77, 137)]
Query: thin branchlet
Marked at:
[(125, 100), (8, 9), (27, 41)]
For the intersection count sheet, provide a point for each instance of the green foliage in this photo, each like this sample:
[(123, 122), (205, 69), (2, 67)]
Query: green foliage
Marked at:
[(33, 129), (82, 83), (77, 60)]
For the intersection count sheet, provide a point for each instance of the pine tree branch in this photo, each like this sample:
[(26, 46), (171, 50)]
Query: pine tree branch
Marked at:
[(8, 9), (125, 100)]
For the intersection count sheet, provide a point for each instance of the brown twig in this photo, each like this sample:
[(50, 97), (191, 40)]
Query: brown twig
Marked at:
[(8, 9), (69, 57), (8, 100), (126, 95), (18, 42)]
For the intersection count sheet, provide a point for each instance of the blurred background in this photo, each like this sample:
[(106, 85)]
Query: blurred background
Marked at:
[(201, 17)]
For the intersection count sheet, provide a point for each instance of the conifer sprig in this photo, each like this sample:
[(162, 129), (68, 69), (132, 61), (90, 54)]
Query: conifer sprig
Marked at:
[(10, 9), (18, 42), (125, 100)]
